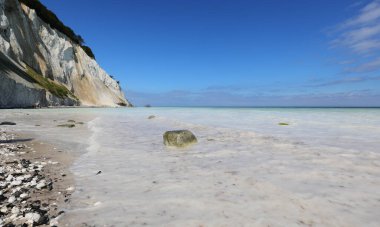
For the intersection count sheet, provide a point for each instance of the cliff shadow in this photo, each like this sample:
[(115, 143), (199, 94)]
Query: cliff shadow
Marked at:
[(9, 67)]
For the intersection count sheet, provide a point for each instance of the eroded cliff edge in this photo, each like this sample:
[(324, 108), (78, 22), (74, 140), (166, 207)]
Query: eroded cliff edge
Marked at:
[(40, 66)]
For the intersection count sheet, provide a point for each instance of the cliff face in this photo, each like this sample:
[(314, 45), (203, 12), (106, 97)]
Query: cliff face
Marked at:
[(41, 66)]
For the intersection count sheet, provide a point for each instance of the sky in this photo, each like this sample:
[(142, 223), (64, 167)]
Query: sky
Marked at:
[(234, 52)]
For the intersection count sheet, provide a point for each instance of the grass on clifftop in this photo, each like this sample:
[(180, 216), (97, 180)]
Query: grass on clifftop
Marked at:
[(53, 87)]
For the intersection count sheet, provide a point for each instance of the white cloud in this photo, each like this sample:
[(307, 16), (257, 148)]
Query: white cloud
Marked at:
[(361, 33), (191, 98), (361, 36), (366, 67), (369, 14), (366, 46)]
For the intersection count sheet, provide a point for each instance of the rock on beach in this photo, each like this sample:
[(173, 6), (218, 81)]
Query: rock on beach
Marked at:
[(179, 138), (7, 123)]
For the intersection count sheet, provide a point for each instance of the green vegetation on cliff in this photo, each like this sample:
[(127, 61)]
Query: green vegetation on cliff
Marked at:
[(53, 87), (49, 17), (88, 51)]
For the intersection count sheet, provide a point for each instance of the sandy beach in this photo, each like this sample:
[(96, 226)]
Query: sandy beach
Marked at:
[(250, 167), (36, 182)]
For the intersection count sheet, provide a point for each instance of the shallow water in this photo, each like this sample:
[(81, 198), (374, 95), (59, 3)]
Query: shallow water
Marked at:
[(246, 170)]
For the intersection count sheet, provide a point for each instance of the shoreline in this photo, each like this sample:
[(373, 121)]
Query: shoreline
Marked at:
[(36, 182)]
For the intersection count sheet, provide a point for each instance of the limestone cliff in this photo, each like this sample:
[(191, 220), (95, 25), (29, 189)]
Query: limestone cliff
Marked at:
[(40, 66)]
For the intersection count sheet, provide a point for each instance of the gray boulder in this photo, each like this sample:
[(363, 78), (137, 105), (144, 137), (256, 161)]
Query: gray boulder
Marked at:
[(179, 138)]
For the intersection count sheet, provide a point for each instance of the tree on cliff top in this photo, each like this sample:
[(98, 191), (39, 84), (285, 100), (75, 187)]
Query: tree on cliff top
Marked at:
[(49, 17)]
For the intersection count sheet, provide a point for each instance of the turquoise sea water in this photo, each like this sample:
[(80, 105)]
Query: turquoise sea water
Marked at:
[(247, 170)]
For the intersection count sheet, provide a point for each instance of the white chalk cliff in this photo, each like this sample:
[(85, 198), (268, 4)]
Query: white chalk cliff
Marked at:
[(40, 66)]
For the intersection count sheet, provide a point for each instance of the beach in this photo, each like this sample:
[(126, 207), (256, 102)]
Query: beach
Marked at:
[(35, 181), (250, 167)]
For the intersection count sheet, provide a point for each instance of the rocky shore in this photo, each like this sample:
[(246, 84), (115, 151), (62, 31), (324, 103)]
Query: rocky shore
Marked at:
[(35, 185)]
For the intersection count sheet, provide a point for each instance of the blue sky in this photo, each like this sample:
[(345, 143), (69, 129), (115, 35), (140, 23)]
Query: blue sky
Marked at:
[(236, 52)]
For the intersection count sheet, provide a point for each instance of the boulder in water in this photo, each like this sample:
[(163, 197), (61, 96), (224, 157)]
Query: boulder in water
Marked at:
[(67, 125), (179, 138)]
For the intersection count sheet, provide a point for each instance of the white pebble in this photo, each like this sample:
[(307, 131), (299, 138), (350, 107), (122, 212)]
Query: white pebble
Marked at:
[(11, 199), (15, 210), (54, 222), (16, 182), (70, 188), (4, 210), (23, 195), (32, 217), (97, 203), (13, 217), (41, 184), (9, 178)]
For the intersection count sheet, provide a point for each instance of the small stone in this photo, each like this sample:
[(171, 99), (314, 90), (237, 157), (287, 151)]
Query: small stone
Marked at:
[(36, 205), (9, 178), (67, 125), (54, 222), (32, 217), (23, 195), (25, 163), (16, 182), (50, 185), (11, 199), (70, 188), (44, 220), (151, 117), (41, 184), (17, 194), (4, 210), (15, 210), (7, 123)]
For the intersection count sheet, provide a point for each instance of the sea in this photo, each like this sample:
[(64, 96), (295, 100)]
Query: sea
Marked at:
[(250, 167)]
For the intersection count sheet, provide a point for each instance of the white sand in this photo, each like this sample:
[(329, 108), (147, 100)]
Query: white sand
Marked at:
[(321, 170)]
